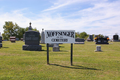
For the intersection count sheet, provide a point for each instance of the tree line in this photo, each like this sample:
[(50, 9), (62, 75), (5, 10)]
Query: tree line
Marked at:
[(11, 29)]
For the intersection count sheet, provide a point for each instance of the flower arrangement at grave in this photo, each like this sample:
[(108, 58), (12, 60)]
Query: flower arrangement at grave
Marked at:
[(95, 38)]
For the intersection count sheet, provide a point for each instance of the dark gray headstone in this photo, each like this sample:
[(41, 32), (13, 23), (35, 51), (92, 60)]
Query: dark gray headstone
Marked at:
[(116, 38), (79, 41), (32, 47), (17, 39), (90, 38), (30, 27), (32, 40), (95, 37), (0, 41), (101, 41), (5, 40), (106, 37), (0, 45)]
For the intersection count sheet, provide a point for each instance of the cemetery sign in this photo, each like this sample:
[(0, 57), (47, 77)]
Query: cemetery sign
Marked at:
[(59, 36)]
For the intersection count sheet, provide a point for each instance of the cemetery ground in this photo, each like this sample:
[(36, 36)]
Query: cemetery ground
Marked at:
[(17, 64)]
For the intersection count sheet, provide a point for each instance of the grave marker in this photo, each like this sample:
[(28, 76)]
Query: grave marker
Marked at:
[(42, 37), (90, 38), (98, 49), (56, 47), (0, 40), (21, 39), (12, 38), (17, 39), (32, 40), (79, 41), (116, 38), (24, 37), (101, 40)]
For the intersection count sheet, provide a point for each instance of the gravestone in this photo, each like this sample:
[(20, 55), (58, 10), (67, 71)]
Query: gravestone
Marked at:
[(17, 39), (79, 41), (0, 40), (95, 37), (90, 38), (101, 40), (98, 49), (56, 47), (42, 37), (106, 37), (21, 39), (32, 40), (12, 38), (116, 38)]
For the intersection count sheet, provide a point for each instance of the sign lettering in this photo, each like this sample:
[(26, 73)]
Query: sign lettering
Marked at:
[(59, 36)]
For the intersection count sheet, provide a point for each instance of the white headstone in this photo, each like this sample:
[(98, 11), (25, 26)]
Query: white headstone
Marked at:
[(42, 37), (0, 34), (98, 49), (56, 47)]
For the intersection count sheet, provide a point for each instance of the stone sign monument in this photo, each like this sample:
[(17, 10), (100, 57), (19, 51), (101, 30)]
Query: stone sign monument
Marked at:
[(32, 40), (0, 40), (59, 36)]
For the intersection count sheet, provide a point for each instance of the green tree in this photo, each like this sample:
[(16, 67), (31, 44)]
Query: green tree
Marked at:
[(10, 29), (34, 29), (77, 34), (83, 35), (20, 33), (100, 35)]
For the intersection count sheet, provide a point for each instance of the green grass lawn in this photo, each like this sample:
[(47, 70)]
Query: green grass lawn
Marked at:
[(17, 64)]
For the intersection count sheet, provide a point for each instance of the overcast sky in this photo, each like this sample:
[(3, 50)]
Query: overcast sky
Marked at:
[(91, 16)]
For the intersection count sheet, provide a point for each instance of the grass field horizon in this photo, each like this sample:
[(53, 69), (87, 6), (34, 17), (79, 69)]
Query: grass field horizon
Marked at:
[(18, 64)]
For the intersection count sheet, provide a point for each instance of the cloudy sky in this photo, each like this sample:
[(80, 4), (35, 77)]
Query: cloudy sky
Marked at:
[(91, 16)]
